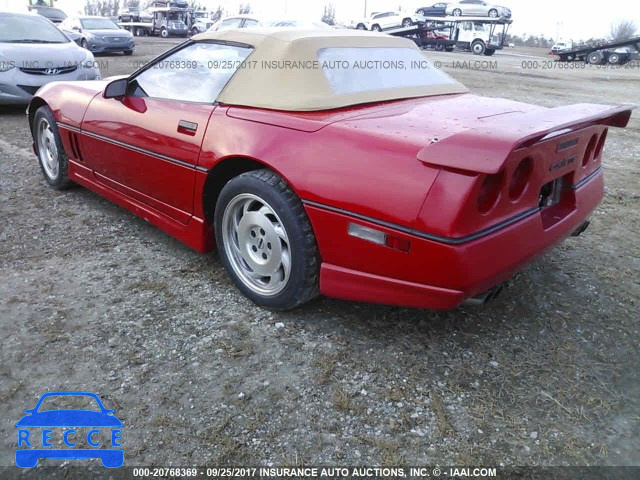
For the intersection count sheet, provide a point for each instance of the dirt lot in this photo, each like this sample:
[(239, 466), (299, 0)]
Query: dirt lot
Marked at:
[(96, 299)]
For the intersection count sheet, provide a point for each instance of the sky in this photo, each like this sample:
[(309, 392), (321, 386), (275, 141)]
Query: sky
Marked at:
[(566, 19)]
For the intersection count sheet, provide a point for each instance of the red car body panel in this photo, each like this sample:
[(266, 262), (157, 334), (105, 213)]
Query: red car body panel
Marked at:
[(414, 169)]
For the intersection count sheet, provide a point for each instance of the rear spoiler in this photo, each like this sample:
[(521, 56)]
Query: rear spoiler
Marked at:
[(484, 147)]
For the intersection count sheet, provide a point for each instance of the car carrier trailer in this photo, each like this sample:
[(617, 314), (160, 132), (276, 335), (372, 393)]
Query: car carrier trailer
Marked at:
[(600, 53), (167, 19), (480, 35)]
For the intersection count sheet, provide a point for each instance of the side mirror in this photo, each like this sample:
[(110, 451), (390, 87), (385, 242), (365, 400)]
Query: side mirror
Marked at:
[(116, 89)]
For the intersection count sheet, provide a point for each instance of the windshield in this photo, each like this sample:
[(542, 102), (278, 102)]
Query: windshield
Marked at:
[(298, 24), (357, 70), (201, 15), (69, 402), (98, 24), (29, 29)]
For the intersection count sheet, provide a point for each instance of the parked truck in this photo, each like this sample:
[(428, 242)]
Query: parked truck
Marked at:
[(162, 18)]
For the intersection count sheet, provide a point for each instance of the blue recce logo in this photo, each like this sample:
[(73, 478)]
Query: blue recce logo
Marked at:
[(69, 419)]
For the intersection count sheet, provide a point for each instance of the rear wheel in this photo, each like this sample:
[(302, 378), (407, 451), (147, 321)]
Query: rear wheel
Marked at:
[(478, 47), (595, 58), (489, 52), (266, 242), (422, 12), (376, 28), (361, 26), (439, 47), (128, 52), (493, 13), (457, 12), (53, 159), (407, 22), (614, 58)]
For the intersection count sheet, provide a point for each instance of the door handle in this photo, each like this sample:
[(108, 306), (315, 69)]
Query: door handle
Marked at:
[(188, 128)]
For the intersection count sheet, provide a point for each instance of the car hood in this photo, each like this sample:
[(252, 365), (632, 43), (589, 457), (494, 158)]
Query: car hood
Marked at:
[(69, 418), (109, 33), (38, 55)]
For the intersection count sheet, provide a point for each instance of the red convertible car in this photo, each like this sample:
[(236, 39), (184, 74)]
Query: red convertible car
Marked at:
[(333, 162)]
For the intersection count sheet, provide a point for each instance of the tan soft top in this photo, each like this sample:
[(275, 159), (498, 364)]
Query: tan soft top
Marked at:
[(264, 83)]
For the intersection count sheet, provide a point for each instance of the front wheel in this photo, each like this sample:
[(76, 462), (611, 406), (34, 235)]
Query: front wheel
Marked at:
[(53, 159), (489, 52), (376, 28), (457, 12), (478, 47), (128, 52), (266, 242), (84, 44), (361, 26), (493, 13), (164, 33), (407, 22), (614, 58)]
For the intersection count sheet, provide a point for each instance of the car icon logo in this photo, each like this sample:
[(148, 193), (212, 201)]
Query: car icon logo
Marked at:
[(51, 71), (82, 428)]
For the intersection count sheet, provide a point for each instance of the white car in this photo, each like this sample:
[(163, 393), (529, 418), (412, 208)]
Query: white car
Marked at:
[(477, 8), (33, 52), (379, 21), (249, 21)]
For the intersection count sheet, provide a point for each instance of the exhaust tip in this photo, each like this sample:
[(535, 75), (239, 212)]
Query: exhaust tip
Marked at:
[(580, 230), (485, 297)]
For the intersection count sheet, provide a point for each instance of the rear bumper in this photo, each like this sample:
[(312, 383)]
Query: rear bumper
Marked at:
[(433, 274)]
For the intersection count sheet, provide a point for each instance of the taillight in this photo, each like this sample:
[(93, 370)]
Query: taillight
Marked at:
[(591, 147), (490, 191), (520, 179)]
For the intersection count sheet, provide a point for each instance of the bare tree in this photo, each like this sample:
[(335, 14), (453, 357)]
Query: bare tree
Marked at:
[(244, 9), (622, 30), (217, 14), (329, 15)]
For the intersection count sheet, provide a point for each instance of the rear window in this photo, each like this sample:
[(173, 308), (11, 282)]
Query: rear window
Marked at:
[(364, 69)]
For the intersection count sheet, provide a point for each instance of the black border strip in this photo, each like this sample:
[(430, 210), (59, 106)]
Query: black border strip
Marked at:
[(585, 180), (428, 236), (132, 147)]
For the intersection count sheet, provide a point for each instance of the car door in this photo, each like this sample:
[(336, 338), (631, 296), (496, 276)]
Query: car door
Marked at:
[(146, 144), (392, 20)]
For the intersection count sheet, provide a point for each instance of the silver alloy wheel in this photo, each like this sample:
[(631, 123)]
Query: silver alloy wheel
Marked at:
[(256, 244), (47, 149), (493, 13)]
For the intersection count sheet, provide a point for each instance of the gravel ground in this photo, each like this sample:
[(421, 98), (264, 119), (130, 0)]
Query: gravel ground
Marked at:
[(96, 299)]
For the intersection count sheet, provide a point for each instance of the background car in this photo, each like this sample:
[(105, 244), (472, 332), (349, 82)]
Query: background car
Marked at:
[(435, 10), (236, 21), (55, 15), (477, 8), (100, 34), (129, 14), (385, 20), (33, 52), (561, 46)]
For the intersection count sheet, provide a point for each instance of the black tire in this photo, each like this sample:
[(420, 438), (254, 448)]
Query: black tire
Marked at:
[(60, 180), (194, 31), (489, 52), (376, 28), (438, 47), (448, 49), (164, 33), (361, 26), (595, 58), (407, 22), (270, 189), (478, 47), (128, 52), (421, 12), (493, 13), (614, 58), (457, 12)]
